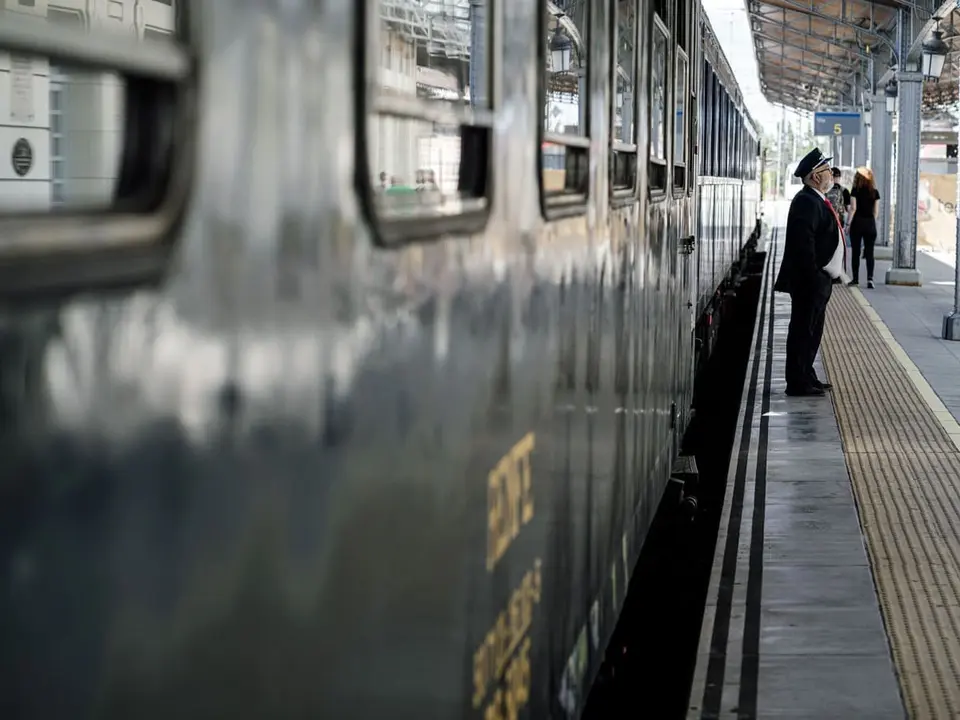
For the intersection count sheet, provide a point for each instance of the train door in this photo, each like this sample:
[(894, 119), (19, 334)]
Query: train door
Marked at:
[(684, 181)]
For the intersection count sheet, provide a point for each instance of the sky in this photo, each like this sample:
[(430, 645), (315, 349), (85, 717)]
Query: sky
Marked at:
[(729, 21)]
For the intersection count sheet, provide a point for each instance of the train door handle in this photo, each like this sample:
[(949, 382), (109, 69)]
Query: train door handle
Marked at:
[(687, 245)]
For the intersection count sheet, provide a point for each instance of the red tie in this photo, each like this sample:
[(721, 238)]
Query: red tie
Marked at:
[(840, 228)]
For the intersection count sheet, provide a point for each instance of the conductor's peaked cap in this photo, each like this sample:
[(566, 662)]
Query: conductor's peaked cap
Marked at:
[(811, 161)]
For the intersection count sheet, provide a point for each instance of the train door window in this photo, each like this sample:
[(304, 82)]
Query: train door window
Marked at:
[(727, 134), (742, 167), (701, 137), (737, 140), (659, 53), (723, 142), (680, 124), (623, 156), (427, 146), (680, 28), (565, 150), (719, 139), (683, 87)]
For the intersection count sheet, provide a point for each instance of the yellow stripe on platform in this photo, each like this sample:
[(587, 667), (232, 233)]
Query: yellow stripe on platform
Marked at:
[(904, 463)]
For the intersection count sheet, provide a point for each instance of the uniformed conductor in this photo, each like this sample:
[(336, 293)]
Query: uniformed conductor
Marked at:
[(812, 261)]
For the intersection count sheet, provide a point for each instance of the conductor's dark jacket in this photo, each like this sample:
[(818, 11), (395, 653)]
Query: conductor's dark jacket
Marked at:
[(811, 239)]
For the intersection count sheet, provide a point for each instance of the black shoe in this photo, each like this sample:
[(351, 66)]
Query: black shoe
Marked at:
[(822, 385), (805, 391), (853, 283), (837, 281), (870, 284)]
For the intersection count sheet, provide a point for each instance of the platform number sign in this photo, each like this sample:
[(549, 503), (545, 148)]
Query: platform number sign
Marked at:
[(22, 157), (837, 123)]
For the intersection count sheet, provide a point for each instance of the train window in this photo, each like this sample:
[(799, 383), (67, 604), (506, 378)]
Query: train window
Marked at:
[(624, 151), (661, 8), (428, 139), (716, 137), (565, 152), (99, 132), (724, 133), (680, 124), (659, 52)]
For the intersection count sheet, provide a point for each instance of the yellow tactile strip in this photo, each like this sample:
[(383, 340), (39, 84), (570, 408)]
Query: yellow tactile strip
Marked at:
[(905, 470)]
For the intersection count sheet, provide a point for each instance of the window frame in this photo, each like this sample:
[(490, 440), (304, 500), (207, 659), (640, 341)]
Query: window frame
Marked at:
[(625, 195), (679, 157), (693, 119), (658, 191), (564, 204), (477, 122)]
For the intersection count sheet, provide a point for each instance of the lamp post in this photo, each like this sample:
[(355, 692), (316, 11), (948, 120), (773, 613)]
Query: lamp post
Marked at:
[(951, 321)]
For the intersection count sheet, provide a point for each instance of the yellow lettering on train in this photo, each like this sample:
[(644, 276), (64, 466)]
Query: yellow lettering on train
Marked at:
[(504, 652), (509, 498)]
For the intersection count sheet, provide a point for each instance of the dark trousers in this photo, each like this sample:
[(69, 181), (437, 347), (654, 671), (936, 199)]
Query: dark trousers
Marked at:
[(863, 233), (807, 313)]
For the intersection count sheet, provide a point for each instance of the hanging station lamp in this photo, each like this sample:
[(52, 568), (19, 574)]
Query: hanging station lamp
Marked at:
[(561, 51), (890, 94), (934, 54)]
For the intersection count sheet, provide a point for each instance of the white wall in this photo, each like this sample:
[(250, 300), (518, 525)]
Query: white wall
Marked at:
[(24, 114), (393, 140), (91, 105)]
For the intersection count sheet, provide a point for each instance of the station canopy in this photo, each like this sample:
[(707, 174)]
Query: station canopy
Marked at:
[(819, 55)]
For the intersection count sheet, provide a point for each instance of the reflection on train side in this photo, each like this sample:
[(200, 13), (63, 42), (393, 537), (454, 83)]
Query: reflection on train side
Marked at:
[(505, 653), (509, 498)]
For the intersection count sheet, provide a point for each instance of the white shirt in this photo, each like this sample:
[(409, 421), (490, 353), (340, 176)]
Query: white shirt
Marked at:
[(835, 266)]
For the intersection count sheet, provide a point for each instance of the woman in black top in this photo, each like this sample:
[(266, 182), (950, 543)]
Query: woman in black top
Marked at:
[(864, 206)]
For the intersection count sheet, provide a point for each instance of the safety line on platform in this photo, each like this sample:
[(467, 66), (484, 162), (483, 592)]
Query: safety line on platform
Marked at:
[(735, 522), (929, 395), (750, 656), (904, 466)]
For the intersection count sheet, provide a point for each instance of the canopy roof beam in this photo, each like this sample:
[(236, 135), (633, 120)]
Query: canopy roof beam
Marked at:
[(843, 62), (811, 11), (848, 47)]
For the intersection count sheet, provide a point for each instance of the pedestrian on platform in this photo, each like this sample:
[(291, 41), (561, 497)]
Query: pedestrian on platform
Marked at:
[(812, 261), (865, 204), (839, 197)]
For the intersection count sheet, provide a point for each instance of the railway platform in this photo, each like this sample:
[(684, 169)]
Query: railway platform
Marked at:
[(835, 590)]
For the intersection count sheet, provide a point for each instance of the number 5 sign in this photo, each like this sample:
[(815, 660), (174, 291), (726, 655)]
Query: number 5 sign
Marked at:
[(837, 123)]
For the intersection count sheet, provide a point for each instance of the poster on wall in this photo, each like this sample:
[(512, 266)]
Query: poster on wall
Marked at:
[(21, 89)]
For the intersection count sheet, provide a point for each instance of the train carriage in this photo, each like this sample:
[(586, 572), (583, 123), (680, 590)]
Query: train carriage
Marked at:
[(352, 388)]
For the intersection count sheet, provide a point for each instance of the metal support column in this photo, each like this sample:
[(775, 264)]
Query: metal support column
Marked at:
[(478, 53), (583, 102), (626, 119), (846, 152), (951, 321), (909, 100), (860, 145), (881, 130)]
